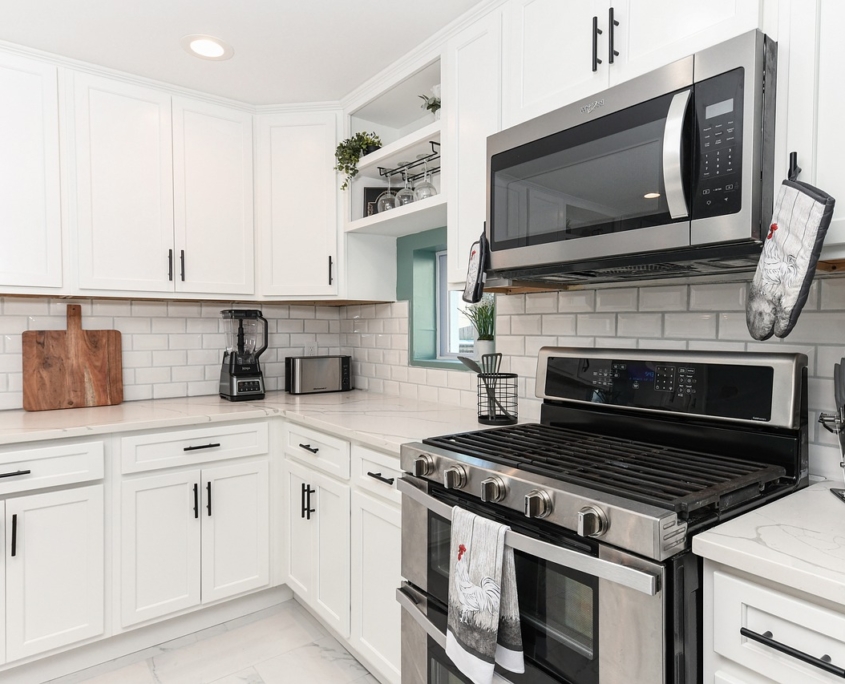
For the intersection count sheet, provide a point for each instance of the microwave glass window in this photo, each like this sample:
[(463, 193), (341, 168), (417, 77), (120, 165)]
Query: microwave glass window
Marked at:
[(604, 176)]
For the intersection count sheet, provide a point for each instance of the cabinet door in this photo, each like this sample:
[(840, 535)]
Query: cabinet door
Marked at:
[(54, 570), (472, 87), (376, 574), (548, 55), (330, 527), (213, 198), (299, 554), (159, 545), (296, 204), (235, 529), (124, 185), (3, 583), (30, 211), (652, 33)]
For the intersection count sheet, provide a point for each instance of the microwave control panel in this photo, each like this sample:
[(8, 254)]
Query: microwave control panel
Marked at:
[(718, 145)]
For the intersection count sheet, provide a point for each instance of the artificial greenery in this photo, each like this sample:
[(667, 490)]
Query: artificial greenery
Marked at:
[(349, 152), (483, 317), (432, 104)]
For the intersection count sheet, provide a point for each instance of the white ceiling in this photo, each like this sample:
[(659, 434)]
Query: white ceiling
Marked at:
[(285, 51)]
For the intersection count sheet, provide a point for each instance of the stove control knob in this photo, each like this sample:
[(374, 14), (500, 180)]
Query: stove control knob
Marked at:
[(454, 477), (592, 522), (423, 465), (538, 504), (492, 489)]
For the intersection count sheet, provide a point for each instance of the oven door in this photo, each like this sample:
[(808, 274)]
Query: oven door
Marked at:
[(590, 614)]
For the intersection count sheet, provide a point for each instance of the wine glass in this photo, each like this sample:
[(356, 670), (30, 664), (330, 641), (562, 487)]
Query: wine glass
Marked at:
[(387, 199), (425, 189), (405, 195)]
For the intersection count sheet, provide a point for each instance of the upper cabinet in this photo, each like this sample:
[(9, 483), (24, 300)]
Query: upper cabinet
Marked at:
[(137, 158), (559, 52), (30, 206), (296, 203)]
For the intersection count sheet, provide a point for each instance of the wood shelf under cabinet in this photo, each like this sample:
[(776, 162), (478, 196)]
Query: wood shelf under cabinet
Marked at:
[(412, 218), (405, 149)]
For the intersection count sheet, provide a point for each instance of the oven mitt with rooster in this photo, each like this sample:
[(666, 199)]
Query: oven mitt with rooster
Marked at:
[(788, 263)]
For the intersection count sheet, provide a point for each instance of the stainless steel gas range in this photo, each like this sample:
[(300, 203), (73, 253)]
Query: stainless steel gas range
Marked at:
[(635, 453)]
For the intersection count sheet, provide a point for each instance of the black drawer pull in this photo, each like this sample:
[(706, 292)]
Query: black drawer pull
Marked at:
[(16, 473), (308, 447), (14, 535), (196, 500), (378, 476), (822, 663), (201, 446), (596, 33), (208, 487)]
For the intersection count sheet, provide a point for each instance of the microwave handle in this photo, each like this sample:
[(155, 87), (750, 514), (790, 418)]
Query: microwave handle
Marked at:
[(639, 580), (673, 178)]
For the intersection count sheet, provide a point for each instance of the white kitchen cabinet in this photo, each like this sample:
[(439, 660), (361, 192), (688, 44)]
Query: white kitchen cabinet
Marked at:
[(54, 569), (376, 573), (30, 204), (191, 537), (317, 538), (213, 198), (3, 584), (296, 203), (123, 176), (472, 93), (548, 56)]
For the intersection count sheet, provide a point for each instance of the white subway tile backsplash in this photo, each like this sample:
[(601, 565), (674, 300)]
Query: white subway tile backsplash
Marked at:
[(596, 324), (639, 325), (819, 328), (559, 324), (576, 301), (541, 302), (689, 325), (13, 325), (733, 327), (832, 293), (140, 342), (187, 309), (26, 306), (168, 325), (713, 345), (616, 300), (718, 297), (511, 344), (611, 342), (533, 344), (664, 298), (826, 357), (128, 325), (152, 309), (661, 344), (513, 304), (526, 325)]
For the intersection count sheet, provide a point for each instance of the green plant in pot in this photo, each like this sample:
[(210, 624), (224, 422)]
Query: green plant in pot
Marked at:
[(351, 150), (482, 316)]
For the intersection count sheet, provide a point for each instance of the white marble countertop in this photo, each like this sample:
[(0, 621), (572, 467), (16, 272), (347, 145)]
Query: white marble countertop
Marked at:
[(377, 420), (798, 541)]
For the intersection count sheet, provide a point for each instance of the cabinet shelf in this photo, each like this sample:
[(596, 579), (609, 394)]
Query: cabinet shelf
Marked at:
[(412, 218), (405, 149)]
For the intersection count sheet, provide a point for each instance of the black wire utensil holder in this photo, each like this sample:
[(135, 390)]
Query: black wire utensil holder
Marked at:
[(497, 398)]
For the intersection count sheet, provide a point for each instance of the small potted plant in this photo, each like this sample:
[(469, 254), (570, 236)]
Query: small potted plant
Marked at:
[(432, 104), (351, 150), (482, 316)]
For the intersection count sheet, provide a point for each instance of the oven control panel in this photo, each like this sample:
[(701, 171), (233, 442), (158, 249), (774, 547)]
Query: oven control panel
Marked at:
[(706, 389)]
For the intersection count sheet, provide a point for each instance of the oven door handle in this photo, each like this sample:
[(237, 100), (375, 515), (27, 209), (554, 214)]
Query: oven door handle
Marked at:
[(673, 140), (632, 578)]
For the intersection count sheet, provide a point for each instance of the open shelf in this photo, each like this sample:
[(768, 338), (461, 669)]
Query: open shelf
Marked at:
[(404, 150), (412, 218)]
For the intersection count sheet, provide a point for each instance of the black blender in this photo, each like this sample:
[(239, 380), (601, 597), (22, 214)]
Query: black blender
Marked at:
[(240, 376)]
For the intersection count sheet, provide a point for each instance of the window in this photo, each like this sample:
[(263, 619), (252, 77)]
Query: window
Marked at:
[(454, 331)]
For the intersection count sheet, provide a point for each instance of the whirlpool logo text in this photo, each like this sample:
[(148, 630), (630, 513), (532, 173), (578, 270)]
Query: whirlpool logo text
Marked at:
[(588, 108)]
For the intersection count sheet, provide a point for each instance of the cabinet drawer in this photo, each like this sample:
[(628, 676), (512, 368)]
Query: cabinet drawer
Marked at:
[(373, 471), (792, 622), (318, 450), (50, 466), (140, 453)]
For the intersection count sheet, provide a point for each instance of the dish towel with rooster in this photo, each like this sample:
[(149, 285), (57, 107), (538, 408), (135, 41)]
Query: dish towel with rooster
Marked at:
[(483, 626)]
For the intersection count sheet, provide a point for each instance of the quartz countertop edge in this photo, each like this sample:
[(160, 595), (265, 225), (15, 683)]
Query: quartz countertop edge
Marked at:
[(376, 420), (797, 541)]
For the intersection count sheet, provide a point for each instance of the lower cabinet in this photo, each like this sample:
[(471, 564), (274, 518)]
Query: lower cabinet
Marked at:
[(53, 570), (317, 538), (376, 573), (193, 536)]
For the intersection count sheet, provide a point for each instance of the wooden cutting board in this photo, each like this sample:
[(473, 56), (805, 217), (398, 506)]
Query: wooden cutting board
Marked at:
[(71, 368)]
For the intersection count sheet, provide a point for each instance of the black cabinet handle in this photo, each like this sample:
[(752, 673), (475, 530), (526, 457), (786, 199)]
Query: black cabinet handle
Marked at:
[(330, 270), (378, 476), (308, 447), (596, 34), (16, 473), (201, 446), (208, 487), (182, 261), (822, 663), (302, 500), (170, 264), (196, 500), (611, 24), (14, 535)]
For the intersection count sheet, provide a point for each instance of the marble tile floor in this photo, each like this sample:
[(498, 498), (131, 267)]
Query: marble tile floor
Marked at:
[(280, 645)]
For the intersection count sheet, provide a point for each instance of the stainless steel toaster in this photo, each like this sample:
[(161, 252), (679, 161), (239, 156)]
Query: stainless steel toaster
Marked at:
[(310, 374)]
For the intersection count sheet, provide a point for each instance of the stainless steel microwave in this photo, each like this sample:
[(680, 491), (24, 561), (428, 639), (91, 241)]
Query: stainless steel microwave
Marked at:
[(666, 174)]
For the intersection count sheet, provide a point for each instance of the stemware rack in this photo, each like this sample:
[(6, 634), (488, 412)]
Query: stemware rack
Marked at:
[(434, 155)]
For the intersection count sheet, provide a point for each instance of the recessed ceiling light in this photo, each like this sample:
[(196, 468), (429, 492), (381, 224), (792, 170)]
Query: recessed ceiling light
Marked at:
[(207, 47), (652, 195)]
